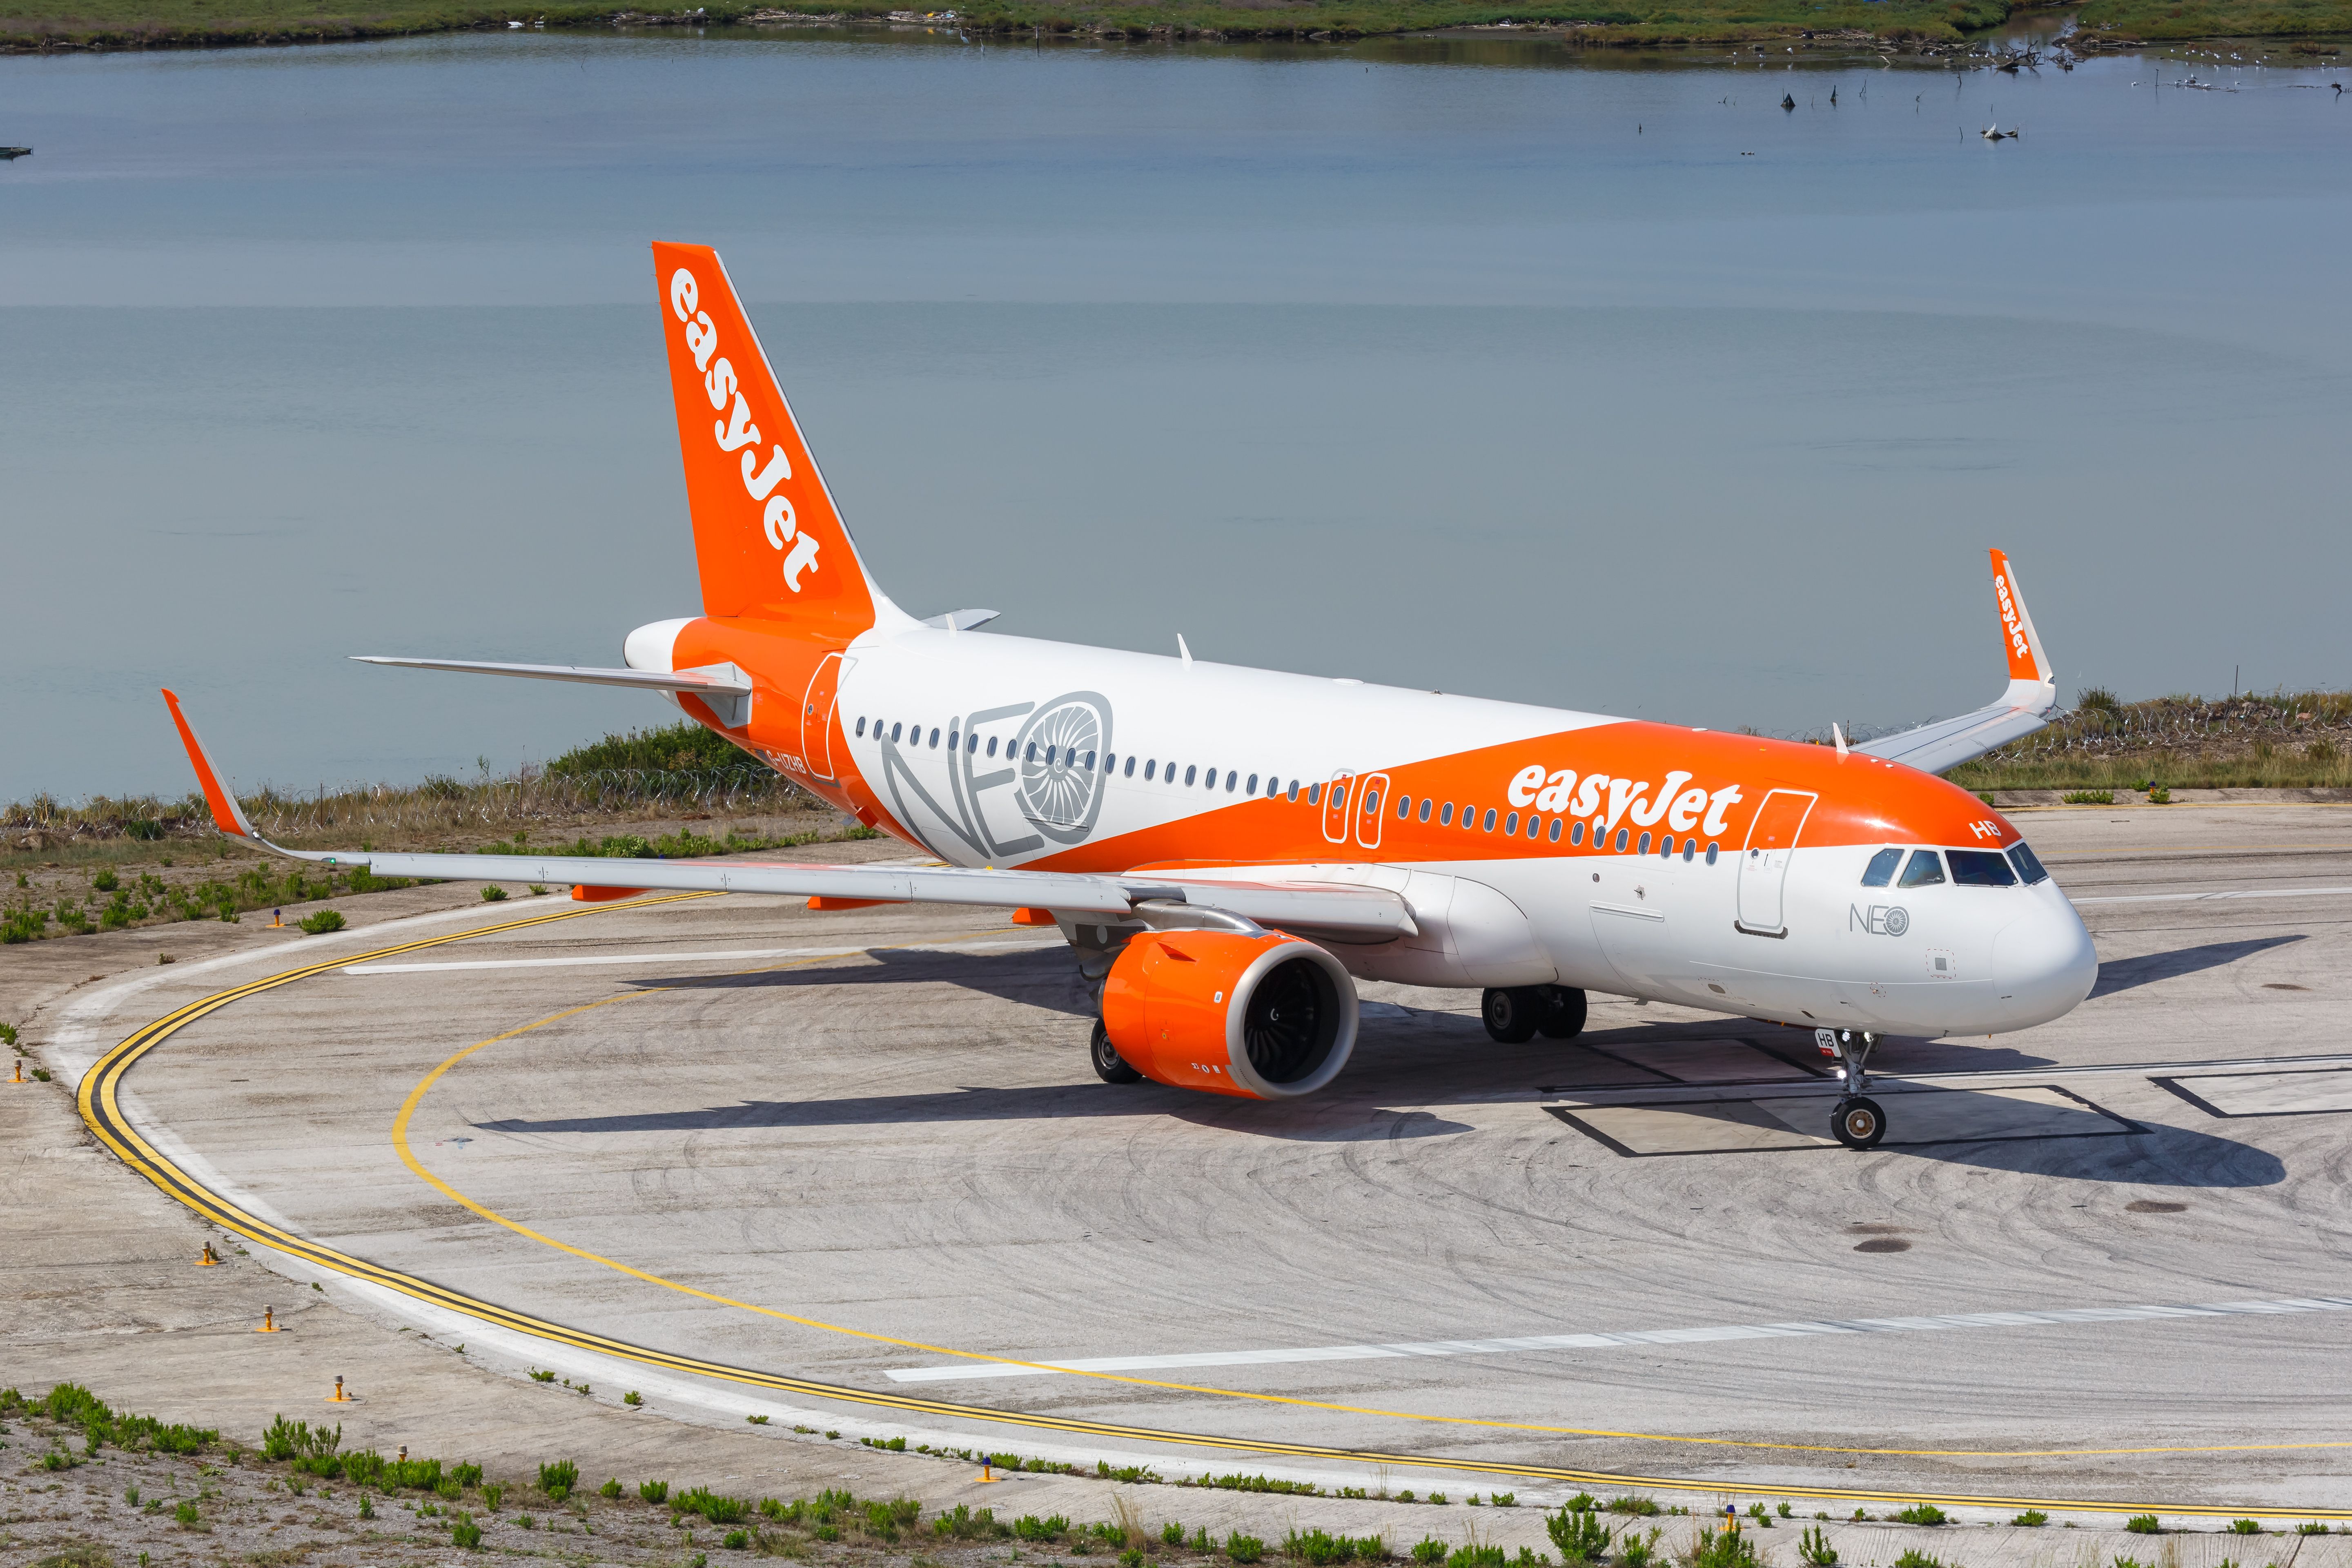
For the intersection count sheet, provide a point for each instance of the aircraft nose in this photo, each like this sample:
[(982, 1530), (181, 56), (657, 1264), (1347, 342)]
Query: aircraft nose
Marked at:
[(2044, 962)]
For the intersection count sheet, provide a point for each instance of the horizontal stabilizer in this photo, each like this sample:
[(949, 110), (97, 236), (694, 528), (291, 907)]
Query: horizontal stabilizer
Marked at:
[(726, 690)]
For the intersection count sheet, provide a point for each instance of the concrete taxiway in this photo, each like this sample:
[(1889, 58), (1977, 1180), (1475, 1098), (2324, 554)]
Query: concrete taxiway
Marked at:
[(852, 1171)]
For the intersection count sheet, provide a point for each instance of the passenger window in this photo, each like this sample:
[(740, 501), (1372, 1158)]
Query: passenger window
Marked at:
[(1666, 848), (1190, 773), (1293, 792), (1130, 768), (1576, 836), (971, 744), (1445, 817), (1490, 820), (1881, 869), (1710, 854), (1148, 768), (1029, 753), (1253, 785), (2029, 864), (1925, 869), (1981, 868), (1643, 847), (1535, 825), (1425, 804), (1231, 774), (1314, 793), (1621, 841), (1690, 847), (1511, 825), (1555, 828), (954, 737), (1404, 806), (1090, 764), (1371, 802), (861, 728), (894, 733)]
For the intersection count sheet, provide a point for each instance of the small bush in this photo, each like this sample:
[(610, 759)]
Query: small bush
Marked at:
[(492, 894), (653, 1491), (2144, 1524), (2159, 796), (2089, 797), (1923, 1513), (633, 1398), (494, 1495), (538, 1376), (1637, 1552), (184, 1516), (2311, 1527), (1640, 1506), (2032, 1519), (1130, 1558), (1813, 1548), (1172, 1534), (2245, 1527), (1029, 1526), (735, 1539), (323, 922), (1729, 1549), (610, 1488), (1243, 1548), (1915, 1558), (1580, 1535), (1429, 1548), (558, 1478), (367, 1506), (1504, 1499), (464, 1532)]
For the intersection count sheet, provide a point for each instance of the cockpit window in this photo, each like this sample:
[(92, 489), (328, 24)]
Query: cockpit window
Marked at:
[(1924, 870), (1881, 870), (2029, 864), (1981, 868)]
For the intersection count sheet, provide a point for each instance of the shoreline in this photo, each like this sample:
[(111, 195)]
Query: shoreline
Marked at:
[(1940, 36)]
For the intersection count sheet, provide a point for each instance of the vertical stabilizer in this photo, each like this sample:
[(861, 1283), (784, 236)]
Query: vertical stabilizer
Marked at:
[(767, 538)]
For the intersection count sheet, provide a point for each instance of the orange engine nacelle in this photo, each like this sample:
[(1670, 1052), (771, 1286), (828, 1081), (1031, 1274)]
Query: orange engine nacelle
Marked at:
[(1263, 1017)]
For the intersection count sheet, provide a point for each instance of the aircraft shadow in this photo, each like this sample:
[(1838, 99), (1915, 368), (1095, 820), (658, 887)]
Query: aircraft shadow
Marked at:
[(2123, 974), (2150, 1156)]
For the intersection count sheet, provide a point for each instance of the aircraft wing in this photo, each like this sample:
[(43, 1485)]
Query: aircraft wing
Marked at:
[(2029, 702), (1375, 913)]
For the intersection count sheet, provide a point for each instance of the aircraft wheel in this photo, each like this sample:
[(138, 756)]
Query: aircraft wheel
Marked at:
[(1512, 1015), (1565, 1021), (1858, 1122), (1109, 1066)]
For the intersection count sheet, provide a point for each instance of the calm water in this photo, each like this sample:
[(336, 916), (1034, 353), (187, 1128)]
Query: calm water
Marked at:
[(1465, 366)]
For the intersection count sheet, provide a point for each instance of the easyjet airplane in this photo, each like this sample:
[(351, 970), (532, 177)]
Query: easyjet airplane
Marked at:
[(1228, 850)]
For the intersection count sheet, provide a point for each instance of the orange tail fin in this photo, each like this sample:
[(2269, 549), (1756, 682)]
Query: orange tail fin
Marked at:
[(766, 536)]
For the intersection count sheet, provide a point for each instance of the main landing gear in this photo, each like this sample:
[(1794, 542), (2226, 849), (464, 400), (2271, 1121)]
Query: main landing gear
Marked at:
[(1857, 1121), (1519, 1013)]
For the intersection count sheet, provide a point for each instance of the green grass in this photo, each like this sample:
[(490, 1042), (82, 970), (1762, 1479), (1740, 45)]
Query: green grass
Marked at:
[(2284, 741)]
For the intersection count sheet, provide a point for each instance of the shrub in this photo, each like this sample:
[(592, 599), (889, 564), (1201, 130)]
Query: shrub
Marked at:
[(2089, 797), (1637, 1553), (464, 1532), (1429, 1548), (965, 1524), (653, 1491), (2311, 1527), (610, 1488), (735, 1539), (711, 1505), (1243, 1548), (1640, 1506), (1172, 1534), (1921, 1513), (2245, 1527), (1477, 1557), (323, 922), (1130, 1558), (1914, 1558), (466, 1475), (1580, 1535), (2032, 1519), (493, 1495), (184, 1516), (633, 1398), (2144, 1524), (1313, 1546), (492, 893), (2159, 796), (1729, 1549), (105, 881), (1504, 1499), (1029, 1526), (1813, 1548)]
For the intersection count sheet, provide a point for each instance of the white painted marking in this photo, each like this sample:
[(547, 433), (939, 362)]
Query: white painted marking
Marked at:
[(736, 955), (2220, 895), (1704, 1335)]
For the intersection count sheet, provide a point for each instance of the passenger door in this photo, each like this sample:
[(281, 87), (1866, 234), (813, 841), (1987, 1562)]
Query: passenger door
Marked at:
[(816, 717), (1764, 859)]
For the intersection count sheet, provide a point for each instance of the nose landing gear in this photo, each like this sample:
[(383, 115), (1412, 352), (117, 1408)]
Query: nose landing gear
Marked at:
[(1857, 1120)]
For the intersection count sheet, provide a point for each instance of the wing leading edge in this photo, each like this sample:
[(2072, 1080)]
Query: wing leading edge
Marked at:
[(1374, 913), (2029, 701)]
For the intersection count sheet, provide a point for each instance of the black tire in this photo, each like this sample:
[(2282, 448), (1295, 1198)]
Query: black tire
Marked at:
[(1858, 1122), (1565, 1021), (1511, 1015), (1109, 1066)]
